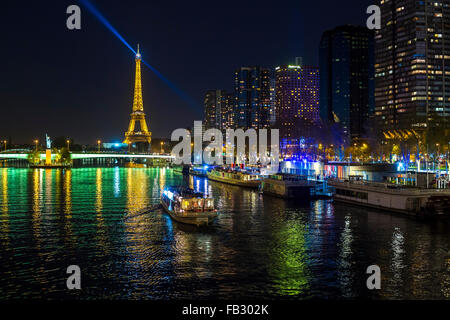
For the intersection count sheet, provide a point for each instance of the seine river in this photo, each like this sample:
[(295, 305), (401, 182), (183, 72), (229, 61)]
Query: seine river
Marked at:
[(259, 247)]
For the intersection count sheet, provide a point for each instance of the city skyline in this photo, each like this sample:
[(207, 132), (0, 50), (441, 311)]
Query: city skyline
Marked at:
[(217, 158), (56, 73)]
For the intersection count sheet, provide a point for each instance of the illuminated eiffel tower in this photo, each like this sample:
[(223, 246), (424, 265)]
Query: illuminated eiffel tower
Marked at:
[(133, 134)]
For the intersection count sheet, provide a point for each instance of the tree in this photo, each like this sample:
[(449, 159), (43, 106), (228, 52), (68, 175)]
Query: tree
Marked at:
[(34, 157), (63, 156), (436, 138)]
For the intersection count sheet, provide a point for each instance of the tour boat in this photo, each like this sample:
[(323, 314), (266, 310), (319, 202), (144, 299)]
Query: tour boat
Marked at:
[(239, 178), (287, 186), (409, 200), (187, 206)]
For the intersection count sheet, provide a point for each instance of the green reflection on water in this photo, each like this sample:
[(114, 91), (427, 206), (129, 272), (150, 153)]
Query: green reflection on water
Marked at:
[(288, 259)]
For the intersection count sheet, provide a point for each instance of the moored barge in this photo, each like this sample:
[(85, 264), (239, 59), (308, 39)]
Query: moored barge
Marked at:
[(238, 178), (288, 186), (385, 196)]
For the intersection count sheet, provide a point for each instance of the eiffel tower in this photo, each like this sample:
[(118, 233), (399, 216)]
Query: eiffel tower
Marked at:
[(134, 135)]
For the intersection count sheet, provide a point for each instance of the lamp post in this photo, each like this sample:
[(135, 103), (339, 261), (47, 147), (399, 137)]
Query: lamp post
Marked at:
[(448, 151), (437, 159), (68, 145), (417, 169), (36, 143), (98, 144), (448, 158), (162, 143), (426, 165), (5, 144)]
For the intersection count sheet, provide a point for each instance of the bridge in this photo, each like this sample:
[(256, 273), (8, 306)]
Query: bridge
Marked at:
[(95, 155)]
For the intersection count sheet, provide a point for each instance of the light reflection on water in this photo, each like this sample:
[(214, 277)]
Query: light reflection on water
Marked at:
[(259, 247)]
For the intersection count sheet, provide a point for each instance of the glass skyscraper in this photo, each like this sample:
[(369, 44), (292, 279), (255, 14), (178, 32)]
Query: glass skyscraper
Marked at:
[(252, 90), (347, 78)]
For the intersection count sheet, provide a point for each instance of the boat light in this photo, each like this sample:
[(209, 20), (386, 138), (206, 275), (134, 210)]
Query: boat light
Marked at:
[(169, 194)]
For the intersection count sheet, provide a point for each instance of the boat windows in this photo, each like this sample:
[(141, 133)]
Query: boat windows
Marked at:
[(352, 194)]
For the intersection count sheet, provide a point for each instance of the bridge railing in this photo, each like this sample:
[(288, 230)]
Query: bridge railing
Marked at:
[(87, 155)]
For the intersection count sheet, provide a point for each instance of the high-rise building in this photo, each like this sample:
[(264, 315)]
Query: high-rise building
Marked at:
[(228, 111), (212, 104), (219, 109), (412, 64), (273, 102), (347, 78), (252, 90), (297, 99)]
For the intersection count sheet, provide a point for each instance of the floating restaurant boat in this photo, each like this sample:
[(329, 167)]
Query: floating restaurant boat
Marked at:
[(238, 178), (187, 206), (288, 186), (408, 200)]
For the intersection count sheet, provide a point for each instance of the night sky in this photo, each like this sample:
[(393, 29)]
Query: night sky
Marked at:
[(80, 83)]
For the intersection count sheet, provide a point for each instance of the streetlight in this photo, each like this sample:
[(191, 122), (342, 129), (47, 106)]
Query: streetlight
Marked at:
[(98, 144), (5, 144), (448, 158), (162, 143), (36, 143), (68, 145)]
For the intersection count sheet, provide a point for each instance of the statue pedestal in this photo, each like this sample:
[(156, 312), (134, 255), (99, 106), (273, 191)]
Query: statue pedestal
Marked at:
[(48, 157)]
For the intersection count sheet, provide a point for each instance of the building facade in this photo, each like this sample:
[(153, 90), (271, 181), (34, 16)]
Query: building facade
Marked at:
[(273, 102), (252, 92), (412, 64), (297, 100), (219, 109), (228, 111), (346, 58)]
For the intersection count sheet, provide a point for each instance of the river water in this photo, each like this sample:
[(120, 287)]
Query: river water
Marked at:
[(260, 247)]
